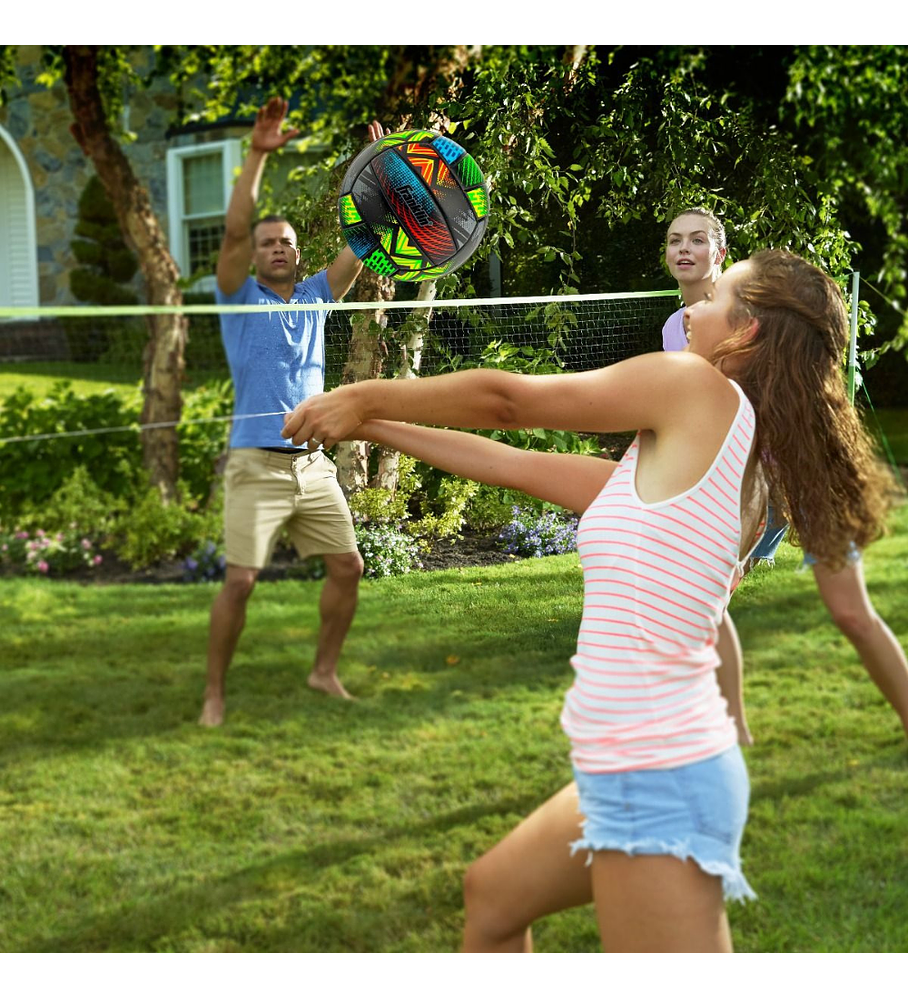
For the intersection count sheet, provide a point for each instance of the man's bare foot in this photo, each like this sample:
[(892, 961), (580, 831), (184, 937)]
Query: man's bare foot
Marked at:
[(328, 683), (212, 713)]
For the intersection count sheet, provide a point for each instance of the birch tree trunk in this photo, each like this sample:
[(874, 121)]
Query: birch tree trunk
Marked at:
[(163, 359), (412, 340), (364, 360)]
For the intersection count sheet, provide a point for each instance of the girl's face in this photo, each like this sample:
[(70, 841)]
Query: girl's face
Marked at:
[(709, 322), (691, 255)]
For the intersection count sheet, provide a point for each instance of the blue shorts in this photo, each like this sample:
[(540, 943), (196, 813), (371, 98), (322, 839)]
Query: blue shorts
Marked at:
[(774, 535), (693, 812)]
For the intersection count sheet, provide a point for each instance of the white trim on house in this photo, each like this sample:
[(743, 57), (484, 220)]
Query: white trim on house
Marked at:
[(231, 161), (18, 243)]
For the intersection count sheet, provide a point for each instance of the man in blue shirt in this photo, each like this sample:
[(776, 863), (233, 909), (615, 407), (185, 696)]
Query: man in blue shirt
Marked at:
[(276, 360)]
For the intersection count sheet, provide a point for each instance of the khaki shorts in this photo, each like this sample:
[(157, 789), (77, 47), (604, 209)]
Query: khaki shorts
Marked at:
[(265, 491)]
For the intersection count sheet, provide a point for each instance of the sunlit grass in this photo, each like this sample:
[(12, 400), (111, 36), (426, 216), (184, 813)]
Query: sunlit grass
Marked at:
[(307, 824)]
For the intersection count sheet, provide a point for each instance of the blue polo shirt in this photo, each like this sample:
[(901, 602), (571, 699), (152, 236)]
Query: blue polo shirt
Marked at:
[(276, 359)]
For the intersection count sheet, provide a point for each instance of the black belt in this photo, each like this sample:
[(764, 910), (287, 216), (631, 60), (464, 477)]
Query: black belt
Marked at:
[(287, 450)]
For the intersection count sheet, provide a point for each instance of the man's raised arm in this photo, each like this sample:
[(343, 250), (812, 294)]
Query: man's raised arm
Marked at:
[(236, 247)]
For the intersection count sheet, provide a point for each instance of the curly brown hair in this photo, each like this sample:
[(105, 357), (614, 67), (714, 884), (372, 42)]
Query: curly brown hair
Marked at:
[(818, 460)]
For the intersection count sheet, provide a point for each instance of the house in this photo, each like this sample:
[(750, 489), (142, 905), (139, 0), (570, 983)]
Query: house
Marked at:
[(187, 172)]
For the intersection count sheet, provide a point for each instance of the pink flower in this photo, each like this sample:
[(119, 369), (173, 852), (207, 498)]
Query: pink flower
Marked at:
[(39, 533), (86, 544), (97, 560), (43, 566), (22, 535)]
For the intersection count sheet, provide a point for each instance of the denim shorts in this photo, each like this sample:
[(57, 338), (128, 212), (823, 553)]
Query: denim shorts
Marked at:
[(693, 812), (774, 535)]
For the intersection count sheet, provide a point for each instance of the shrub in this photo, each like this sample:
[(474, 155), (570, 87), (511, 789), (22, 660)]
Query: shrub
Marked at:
[(443, 515), (491, 508), (534, 535), (386, 550), (78, 503), (201, 444), (205, 564), (150, 531), (44, 553), (32, 471)]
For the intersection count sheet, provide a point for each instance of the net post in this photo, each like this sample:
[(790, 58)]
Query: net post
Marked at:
[(853, 338)]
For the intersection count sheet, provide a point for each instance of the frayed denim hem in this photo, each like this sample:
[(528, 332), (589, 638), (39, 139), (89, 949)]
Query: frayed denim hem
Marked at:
[(734, 885)]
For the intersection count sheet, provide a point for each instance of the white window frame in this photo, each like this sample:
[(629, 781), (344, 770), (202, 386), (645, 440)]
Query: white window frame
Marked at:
[(231, 161)]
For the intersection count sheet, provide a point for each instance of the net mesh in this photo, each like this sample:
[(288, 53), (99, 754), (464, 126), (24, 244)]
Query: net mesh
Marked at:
[(569, 333)]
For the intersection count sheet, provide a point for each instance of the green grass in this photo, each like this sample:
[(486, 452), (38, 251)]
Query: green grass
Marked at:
[(306, 824), (85, 379)]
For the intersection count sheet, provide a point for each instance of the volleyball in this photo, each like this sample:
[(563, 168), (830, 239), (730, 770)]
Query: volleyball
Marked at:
[(414, 205)]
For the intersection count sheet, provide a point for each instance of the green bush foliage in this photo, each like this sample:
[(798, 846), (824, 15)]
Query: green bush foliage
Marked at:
[(106, 265), (32, 471), (202, 443), (43, 553), (443, 514), (150, 531), (80, 503), (386, 550)]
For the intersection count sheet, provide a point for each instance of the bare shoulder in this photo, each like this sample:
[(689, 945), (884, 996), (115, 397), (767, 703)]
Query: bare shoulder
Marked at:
[(655, 391)]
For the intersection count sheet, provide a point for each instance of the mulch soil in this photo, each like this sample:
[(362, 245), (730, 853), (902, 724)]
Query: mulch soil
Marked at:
[(470, 549)]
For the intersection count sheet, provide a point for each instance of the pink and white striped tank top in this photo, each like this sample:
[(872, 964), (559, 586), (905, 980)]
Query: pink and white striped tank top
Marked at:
[(657, 578)]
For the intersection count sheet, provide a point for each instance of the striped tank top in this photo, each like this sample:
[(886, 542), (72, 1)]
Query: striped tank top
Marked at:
[(657, 578)]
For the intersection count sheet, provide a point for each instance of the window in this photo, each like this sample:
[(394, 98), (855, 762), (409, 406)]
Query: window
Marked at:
[(199, 181)]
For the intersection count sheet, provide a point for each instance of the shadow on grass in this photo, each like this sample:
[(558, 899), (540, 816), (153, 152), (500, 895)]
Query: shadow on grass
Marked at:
[(324, 927), (143, 675)]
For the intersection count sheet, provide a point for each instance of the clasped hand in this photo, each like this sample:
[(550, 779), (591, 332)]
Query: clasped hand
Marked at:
[(322, 419)]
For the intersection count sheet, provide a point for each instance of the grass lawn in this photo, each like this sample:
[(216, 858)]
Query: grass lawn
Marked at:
[(307, 824), (85, 379)]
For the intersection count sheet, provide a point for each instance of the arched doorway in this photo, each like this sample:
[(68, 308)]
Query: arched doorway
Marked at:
[(18, 254)]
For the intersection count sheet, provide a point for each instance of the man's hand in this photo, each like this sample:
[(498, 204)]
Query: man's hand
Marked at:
[(267, 133)]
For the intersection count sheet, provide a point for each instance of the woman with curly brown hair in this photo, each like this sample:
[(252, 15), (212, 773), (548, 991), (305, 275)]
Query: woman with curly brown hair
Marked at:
[(695, 248), (664, 534)]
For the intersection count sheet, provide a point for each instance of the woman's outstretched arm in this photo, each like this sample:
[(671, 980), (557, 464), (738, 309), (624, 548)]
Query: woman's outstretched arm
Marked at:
[(658, 392), (569, 480)]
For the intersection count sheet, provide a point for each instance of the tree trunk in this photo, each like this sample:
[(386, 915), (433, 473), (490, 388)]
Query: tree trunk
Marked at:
[(412, 339), (368, 346), (163, 361), (364, 361)]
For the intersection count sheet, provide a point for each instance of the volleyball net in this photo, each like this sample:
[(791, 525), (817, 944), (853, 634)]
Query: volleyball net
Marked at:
[(101, 348)]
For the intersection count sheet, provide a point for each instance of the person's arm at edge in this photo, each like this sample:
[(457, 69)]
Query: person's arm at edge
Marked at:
[(730, 676), (569, 480)]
